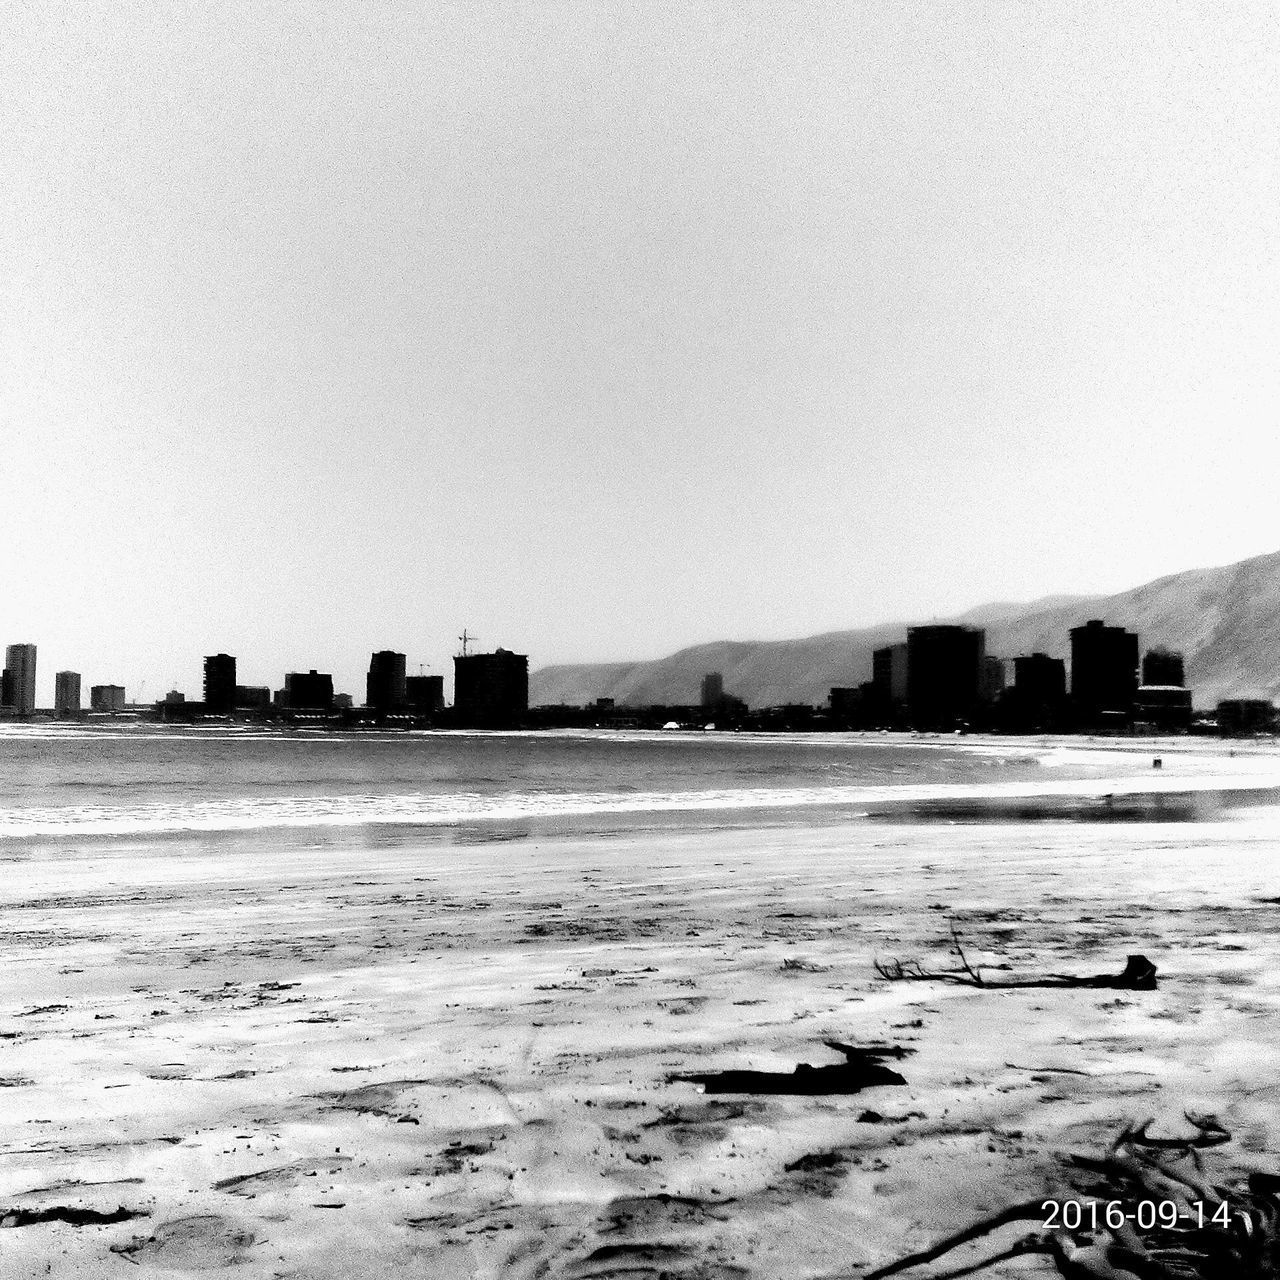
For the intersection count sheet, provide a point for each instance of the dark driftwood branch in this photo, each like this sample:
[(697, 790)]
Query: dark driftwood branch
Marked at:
[(1030, 1210), (1139, 974), (1198, 1246)]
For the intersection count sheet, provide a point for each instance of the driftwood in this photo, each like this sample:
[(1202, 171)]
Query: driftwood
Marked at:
[(1137, 1216), (1138, 974), (863, 1068)]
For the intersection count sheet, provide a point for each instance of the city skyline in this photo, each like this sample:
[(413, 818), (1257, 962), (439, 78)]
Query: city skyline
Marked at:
[(605, 332)]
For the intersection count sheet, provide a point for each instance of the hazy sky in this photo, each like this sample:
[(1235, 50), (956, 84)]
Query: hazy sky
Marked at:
[(602, 329)]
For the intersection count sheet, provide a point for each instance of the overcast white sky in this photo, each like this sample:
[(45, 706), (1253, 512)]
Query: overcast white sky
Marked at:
[(603, 329)]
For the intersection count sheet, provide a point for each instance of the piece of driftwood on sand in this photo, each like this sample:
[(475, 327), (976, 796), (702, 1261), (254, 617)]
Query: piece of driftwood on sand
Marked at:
[(1138, 974), (1140, 1214), (863, 1068)]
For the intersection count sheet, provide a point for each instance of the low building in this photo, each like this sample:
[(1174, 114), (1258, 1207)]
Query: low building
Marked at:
[(1164, 708), (1243, 717), (106, 697), (252, 697), (308, 691)]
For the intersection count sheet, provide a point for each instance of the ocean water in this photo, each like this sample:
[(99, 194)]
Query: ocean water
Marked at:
[(63, 783)]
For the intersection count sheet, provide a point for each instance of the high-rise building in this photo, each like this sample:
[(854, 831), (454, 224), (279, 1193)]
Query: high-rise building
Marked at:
[(490, 690), (20, 664), (1162, 666), (712, 690), (1104, 670), (66, 693), (425, 694), (106, 697), (944, 673), (220, 684), (385, 685), (889, 674), (993, 679), (308, 691)]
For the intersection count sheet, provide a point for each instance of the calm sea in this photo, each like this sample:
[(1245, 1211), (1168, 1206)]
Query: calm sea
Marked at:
[(67, 783)]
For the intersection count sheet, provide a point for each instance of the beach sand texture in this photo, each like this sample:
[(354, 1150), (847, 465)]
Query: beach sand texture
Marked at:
[(373, 1054)]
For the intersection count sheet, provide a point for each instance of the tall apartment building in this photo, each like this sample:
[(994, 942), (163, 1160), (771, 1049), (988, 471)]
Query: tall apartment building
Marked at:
[(1104, 670), (19, 683), (220, 684), (385, 684), (425, 694), (889, 674), (712, 690), (944, 673), (66, 693), (490, 690)]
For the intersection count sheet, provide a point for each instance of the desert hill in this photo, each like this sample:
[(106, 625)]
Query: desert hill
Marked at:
[(1225, 620)]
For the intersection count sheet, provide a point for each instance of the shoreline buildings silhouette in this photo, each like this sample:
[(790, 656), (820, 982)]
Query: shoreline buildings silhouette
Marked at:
[(938, 678)]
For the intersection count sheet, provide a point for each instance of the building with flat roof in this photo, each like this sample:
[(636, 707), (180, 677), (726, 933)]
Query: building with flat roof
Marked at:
[(712, 690), (66, 693), (425, 694), (1162, 667), (19, 689), (944, 674), (308, 691), (490, 690), (106, 697), (1104, 670), (385, 684), (220, 684), (889, 674)]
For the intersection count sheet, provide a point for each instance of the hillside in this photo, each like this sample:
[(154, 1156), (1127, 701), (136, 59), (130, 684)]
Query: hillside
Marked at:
[(1225, 620)]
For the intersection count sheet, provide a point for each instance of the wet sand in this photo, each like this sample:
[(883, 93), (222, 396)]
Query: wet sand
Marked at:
[(374, 1053)]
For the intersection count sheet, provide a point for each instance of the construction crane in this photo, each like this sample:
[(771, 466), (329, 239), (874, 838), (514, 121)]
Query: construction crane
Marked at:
[(466, 639)]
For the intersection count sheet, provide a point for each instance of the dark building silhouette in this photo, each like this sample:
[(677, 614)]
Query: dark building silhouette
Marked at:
[(1104, 670), (889, 674), (1164, 708), (490, 690), (1162, 667), (66, 693), (944, 674), (1040, 681), (425, 694), (385, 684), (308, 691), (252, 697), (220, 684), (18, 682), (846, 706), (1240, 717), (993, 679), (714, 699), (106, 697)]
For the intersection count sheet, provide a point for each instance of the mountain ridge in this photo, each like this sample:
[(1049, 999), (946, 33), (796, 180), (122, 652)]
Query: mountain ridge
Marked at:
[(1224, 619)]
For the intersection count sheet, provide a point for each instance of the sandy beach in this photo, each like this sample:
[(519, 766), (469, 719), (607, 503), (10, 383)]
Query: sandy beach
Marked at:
[(384, 1051)]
